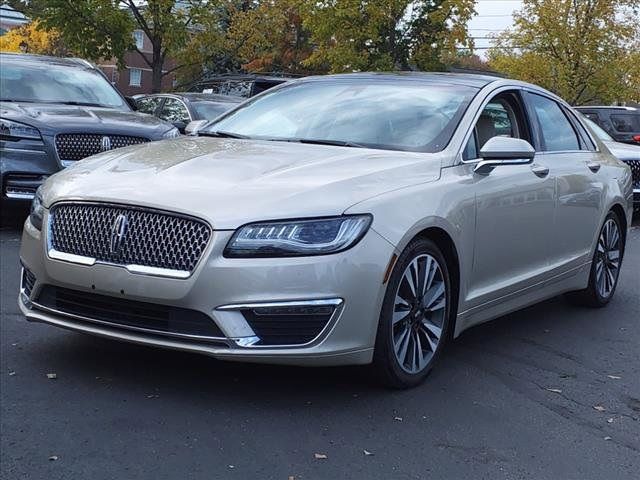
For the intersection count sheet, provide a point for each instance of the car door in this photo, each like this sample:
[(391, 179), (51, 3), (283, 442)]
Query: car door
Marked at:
[(175, 111), (570, 154), (514, 207)]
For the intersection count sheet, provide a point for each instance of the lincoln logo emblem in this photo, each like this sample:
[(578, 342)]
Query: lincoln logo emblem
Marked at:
[(106, 144), (118, 231)]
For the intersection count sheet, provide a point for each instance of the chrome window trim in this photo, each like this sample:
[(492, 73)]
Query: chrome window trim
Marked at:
[(54, 254), (175, 97)]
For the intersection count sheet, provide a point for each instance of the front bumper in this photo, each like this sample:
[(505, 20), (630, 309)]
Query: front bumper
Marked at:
[(351, 282)]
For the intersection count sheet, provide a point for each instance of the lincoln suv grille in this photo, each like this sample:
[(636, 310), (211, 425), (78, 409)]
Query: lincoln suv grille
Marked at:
[(128, 236), (635, 171), (76, 146)]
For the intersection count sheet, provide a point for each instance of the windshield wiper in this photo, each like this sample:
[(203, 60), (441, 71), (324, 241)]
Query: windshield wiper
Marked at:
[(83, 104), (337, 143), (222, 134)]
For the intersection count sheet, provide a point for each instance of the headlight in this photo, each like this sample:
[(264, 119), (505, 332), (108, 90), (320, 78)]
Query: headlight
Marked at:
[(37, 210), (295, 238), (14, 130), (173, 133)]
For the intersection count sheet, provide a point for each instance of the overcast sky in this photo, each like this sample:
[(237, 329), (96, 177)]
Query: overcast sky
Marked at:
[(493, 17)]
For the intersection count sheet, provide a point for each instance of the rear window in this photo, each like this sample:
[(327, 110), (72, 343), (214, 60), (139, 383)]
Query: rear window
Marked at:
[(627, 123)]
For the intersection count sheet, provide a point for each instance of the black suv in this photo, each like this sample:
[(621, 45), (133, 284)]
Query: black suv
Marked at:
[(56, 111), (622, 123)]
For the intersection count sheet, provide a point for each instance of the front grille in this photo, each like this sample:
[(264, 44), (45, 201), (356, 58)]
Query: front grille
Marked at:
[(76, 146), (146, 238), (288, 327), (28, 281), (635, 171), (126, 313)]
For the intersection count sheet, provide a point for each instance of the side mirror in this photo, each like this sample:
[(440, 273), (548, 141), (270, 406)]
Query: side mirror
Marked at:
[(193, 127), (132, 103), (499, 151), (180, 125)]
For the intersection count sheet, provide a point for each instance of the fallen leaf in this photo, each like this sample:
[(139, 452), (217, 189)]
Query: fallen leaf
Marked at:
[(614, 377), (397, 419), (546, 330), (291, 477), (52, 376), (610, 420), (554, 390), (232, 466), (607, 438), (53, 458), (11, 374), (599, 408), (367, 452), (320, 456)]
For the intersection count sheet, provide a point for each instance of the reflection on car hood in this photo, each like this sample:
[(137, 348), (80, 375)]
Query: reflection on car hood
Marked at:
[(623, 151), (231, 182), (51, 119)]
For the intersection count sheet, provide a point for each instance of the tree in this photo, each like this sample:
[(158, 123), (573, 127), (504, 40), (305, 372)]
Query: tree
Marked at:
[(583, 50), (355, 35), (32, 38), (99, 29)]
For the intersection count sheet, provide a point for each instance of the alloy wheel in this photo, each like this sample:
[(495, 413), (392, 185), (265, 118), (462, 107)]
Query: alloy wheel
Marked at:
[(608, 258), (419, 313)]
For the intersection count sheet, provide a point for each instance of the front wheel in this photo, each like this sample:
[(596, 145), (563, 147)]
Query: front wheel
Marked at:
[(605, 266), (415, 318)]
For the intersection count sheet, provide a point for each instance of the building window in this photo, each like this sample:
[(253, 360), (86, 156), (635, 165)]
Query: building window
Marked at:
[(135, 77), (138, 36)]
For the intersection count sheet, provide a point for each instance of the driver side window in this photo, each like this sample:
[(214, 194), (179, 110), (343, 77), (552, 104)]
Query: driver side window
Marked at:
[(501, 117)]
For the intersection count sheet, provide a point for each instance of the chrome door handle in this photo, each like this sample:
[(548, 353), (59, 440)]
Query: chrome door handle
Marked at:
[(540, 170), (593, 166)]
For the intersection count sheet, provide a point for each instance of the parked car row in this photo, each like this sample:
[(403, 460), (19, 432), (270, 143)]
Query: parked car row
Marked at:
[(620, 123), (336, 220)]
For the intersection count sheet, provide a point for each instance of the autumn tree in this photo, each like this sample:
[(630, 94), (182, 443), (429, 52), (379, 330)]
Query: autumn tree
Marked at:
[(33, 38), (103, 28), (583, 50), (356, 35)]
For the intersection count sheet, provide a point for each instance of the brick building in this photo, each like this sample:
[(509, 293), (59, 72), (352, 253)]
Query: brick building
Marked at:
[(135, 78)]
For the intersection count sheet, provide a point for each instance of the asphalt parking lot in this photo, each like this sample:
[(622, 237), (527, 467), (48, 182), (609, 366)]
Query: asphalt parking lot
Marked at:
[(551, 392)]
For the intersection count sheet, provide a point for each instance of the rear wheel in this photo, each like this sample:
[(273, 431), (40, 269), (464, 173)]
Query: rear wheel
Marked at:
[(605, 267), (415, 318)]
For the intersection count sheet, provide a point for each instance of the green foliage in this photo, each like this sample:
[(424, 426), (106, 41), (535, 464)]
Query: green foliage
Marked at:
[(356, 35), (583, 50)]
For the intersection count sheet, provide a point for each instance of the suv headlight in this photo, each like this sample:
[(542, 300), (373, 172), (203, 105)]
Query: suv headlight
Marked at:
[(13, 130), (37, 210), (294, 238), (173, 133)]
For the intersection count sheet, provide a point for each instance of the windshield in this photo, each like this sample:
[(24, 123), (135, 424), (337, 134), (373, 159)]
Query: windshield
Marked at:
[(210, 110), (597, 129), (52, 83), (394, 115)]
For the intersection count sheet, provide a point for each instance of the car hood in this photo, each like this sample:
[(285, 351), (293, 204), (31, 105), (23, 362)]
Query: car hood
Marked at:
[(51, 119), (623, 151), (232, 182)]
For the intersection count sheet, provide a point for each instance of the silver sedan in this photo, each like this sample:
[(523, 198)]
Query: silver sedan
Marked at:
[(351, 219)]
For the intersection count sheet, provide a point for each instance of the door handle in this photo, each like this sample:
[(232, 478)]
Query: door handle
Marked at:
[(593, 166), (540, 170)]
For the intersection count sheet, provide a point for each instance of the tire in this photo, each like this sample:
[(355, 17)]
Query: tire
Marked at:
[(409, 328), (605, 266)]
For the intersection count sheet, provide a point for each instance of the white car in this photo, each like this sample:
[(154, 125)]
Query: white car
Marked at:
[(350, 219)]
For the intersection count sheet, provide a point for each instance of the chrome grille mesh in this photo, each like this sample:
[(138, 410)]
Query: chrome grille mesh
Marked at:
[(635, 171), (150, 239), (76, 146)]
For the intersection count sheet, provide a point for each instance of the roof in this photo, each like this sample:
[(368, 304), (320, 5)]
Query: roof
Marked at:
[(468, 79), (45, 60)]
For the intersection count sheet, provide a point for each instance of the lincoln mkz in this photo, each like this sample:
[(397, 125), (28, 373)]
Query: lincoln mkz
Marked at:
[(350, 219)]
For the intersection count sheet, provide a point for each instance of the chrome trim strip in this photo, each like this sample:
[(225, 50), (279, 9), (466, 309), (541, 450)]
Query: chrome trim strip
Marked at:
[(136, 269), (224, 340), (19, 195), (335, 302), (22, 150)]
